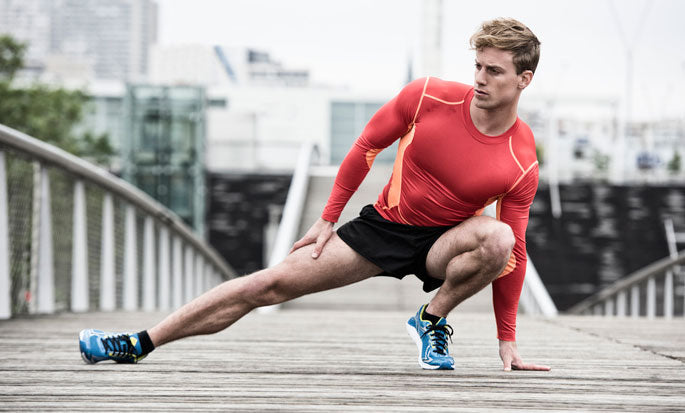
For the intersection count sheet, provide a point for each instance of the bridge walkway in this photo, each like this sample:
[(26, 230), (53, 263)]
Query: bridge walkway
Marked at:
[(347, 360)]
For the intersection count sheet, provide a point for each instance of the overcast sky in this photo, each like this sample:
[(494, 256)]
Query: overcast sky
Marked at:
[(365, 44)]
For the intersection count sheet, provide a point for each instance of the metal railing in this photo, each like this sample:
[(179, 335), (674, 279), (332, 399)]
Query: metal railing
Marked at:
[(645, 287), (286, 235), (74, 237), (535, 299)]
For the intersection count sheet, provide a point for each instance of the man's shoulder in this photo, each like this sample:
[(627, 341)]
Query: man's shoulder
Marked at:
[(524, 144), (435, 87), (447, 90)]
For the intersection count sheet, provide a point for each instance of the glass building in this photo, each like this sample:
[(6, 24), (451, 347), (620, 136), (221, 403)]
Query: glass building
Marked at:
[(348, 119), (164, 152)]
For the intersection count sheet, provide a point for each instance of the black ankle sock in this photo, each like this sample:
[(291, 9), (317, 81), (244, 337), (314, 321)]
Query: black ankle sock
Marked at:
[(145, 342), (430, 317)]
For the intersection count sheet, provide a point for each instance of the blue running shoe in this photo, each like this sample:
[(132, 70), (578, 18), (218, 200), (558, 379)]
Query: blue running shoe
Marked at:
[(98, 346), (431, 341)]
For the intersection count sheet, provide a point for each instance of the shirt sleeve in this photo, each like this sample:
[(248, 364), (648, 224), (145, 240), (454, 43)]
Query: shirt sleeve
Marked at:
[(392, 121), (506, 290)]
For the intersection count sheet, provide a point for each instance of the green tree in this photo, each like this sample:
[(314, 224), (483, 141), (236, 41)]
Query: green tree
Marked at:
[(45, 112), (540, 152), (674, 164), (11, 57)]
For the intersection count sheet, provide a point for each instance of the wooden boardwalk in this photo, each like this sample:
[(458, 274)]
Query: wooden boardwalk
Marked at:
[(336, 360)]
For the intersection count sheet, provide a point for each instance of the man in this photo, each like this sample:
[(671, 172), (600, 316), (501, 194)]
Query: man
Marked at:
[(461, 148)]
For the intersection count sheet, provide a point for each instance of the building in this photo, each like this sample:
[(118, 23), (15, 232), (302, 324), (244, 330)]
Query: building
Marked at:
[(164, 151), (72, 40), (218, 65)]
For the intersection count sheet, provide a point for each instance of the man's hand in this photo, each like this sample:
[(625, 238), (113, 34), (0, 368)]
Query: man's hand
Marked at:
[(511, 359), (319, 233)]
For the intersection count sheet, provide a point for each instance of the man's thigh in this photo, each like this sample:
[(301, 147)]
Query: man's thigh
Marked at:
[(337, 266)]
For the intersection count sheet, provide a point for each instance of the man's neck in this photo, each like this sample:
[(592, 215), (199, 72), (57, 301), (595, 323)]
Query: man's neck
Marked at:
[(493, 122)]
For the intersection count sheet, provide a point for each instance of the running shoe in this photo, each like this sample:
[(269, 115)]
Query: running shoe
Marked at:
[(98, 346), (431, 341)]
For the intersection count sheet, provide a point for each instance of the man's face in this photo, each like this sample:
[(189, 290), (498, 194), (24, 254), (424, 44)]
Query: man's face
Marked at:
[(496, 82)]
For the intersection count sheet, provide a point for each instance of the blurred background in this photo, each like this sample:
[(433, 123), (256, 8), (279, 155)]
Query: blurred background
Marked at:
[(204, 105)]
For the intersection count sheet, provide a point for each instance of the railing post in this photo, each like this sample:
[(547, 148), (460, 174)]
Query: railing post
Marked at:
[(164, 270), (177, 269), (79, 254), (199, 274), (107, 282), (130, 261), (609, 307), (5, 296), (621, 303), (46, 275), (207, 277), (668, 295), (635, 301), (651, 297), (149, 275), (189, 279)]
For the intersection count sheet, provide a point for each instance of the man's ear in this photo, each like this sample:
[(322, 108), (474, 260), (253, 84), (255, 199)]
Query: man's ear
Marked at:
[(525, 78)]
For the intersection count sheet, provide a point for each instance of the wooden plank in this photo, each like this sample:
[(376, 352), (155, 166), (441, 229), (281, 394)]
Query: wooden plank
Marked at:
[(329, 360)]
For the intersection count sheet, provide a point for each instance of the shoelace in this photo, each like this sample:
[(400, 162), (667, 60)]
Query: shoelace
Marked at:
[(440, 336), (119, 345)]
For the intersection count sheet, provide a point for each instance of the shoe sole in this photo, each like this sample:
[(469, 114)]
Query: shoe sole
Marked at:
[(419, 345)]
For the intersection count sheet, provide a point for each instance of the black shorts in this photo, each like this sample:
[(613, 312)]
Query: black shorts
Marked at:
[(397, 249)]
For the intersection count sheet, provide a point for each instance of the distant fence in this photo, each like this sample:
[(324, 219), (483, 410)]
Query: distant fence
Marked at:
[(73, 237), (639, 293)]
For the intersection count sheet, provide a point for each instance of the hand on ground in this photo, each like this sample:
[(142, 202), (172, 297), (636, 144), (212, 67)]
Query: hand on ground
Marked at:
[(509, 354)]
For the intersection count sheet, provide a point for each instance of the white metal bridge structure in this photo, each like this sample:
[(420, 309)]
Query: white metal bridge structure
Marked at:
[(82, 244), (74, 237)]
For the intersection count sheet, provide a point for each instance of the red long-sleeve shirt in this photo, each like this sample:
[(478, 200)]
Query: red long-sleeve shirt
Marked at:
[(447, 171)]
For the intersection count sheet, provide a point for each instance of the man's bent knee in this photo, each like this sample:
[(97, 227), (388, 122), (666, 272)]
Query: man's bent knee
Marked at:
[(496, 240)]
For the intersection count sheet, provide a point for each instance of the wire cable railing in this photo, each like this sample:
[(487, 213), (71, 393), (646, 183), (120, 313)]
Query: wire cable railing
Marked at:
[(74, 237), (638, 293)]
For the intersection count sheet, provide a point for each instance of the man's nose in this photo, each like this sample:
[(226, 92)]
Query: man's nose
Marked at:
[(480, 77)]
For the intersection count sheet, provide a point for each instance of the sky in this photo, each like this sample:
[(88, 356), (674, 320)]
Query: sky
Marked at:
[(365, 44)]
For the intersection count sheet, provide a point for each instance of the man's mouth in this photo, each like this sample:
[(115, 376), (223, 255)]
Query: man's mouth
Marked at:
[(480, 92)]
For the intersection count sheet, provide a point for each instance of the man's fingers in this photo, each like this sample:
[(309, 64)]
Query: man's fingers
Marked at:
[(320, 242), (535, 367), (301, 243)]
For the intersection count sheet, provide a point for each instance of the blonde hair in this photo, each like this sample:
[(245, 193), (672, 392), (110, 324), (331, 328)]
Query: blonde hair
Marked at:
[(510, 35)]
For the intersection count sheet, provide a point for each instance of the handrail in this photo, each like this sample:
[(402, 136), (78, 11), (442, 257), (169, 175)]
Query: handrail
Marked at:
[(535, 298), (52, 155), (631, 280), (292, 211), (294, 203)]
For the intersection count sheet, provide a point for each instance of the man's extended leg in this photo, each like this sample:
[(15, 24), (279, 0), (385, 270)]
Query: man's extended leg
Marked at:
[(297, 275), (468, 257)]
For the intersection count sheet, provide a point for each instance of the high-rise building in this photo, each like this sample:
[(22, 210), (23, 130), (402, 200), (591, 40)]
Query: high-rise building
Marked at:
[(109, 38), (431, 38)]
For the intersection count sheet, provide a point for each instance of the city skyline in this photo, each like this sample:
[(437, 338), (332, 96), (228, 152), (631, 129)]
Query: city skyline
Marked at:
[(366, 46)]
